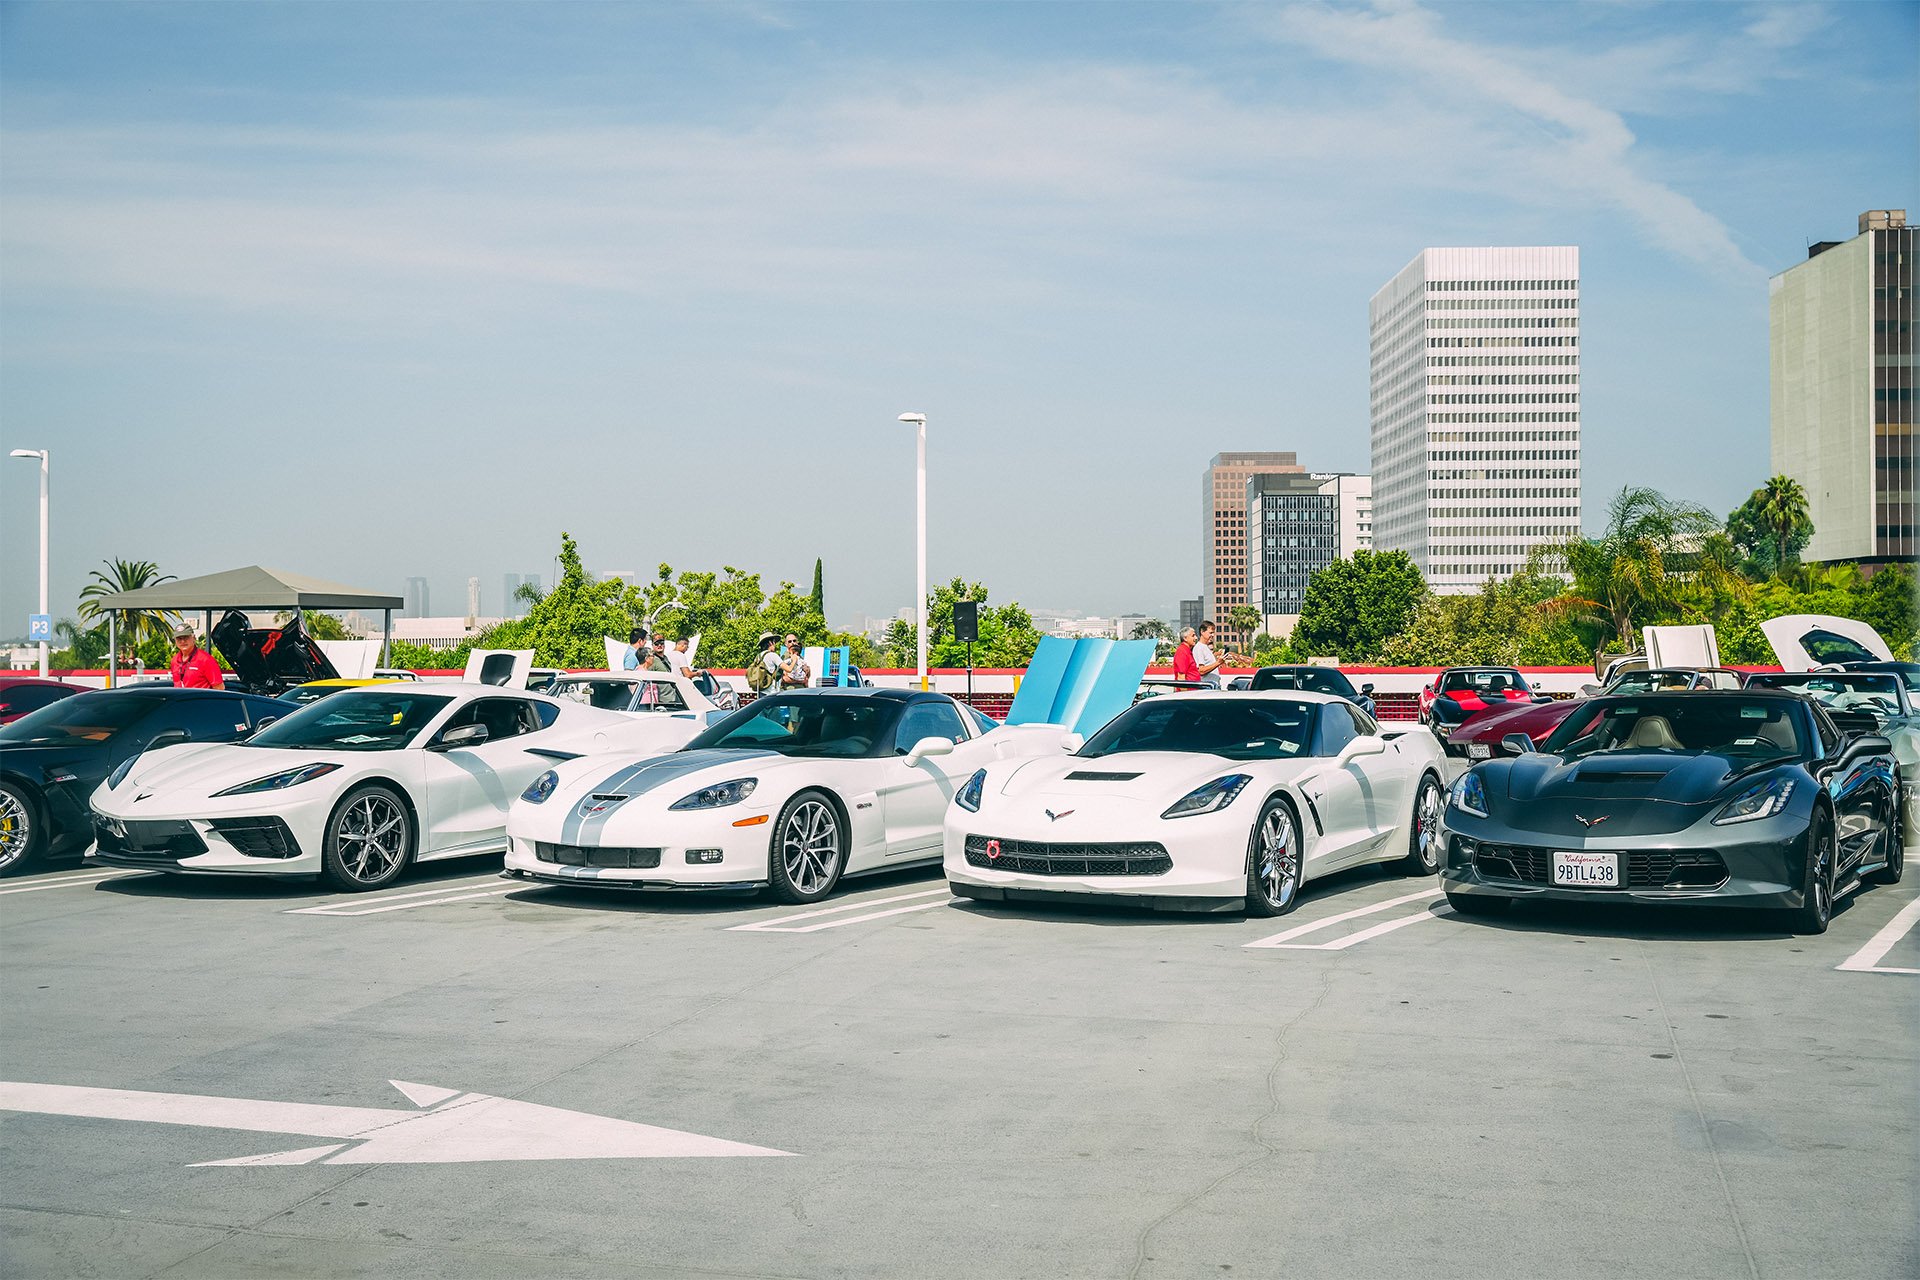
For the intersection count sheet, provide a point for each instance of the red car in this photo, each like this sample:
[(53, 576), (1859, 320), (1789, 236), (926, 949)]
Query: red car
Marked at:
[(1481, 738), (1459, 694), (21, 694)]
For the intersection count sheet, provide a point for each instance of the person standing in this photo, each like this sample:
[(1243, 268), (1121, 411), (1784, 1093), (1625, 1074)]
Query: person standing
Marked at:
[(636, 657), (680, 657), (1183, 665), (193, 667), (763, 677), (1206, 666), (794, 671)]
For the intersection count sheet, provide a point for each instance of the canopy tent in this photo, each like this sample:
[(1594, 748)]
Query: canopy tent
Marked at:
[(250, 588)]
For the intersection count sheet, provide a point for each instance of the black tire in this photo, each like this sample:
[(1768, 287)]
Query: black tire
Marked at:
[(23, 835), (369, 840), (1478, 904), (1896, 838), (1813, 915), (1274, 862), (808, 849), (1423, 830)]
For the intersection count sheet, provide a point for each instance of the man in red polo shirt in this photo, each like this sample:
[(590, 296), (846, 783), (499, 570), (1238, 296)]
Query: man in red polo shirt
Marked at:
[(193, 667)]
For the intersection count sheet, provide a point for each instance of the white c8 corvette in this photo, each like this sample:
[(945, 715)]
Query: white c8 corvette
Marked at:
[(794, 791), (1201, 802), (351, 788)]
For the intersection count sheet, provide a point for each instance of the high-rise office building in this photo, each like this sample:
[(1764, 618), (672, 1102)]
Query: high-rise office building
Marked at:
[(1475, 358), (416, 597), (1223, 538), (1842, 386), (1297, 525)]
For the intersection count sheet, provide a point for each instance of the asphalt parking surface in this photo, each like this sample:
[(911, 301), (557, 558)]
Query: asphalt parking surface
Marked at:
[(965, 1090)]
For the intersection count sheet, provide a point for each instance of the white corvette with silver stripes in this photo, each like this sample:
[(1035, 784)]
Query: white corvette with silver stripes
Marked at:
[(794, 791), (351, 788), (1201, 802)]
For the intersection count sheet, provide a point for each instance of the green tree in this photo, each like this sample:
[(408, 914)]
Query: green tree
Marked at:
[(1008, 637), (1516, 621), (1656, 557), (566, 627), (81, 646), (1246, 621), (819, 590), (136, 626), (1782, 512), (324, 626), (1152, 629), (1352, 607)]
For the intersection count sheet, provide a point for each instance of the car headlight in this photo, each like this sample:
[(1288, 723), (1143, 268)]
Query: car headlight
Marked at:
[(1210, 797), (280, 781), (541, 787), (969, 797), (120, 772), (1760, 801), (717, 796), (1469, 795)]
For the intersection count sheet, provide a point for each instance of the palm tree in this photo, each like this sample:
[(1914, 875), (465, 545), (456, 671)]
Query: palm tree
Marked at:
[(1782, 510), (136, 625), (1653, 551), (1151, 629), (87, 644)]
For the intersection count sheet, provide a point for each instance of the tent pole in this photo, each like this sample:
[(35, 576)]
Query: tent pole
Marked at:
[(113, 646), (386, 637)]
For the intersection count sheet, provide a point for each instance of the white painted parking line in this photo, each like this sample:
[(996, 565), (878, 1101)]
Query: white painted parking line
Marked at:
[(1285, 941), (431, 898), (785, 923), (1867, 959), (68, 882)]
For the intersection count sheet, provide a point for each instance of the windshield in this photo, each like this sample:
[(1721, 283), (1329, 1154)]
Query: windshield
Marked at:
[(1483, 683), (809, 726), (1877, 695), (1908, 672), (1237, 728), (305, 693), (1652, 681), (356, 720), (85, 717), (1310, 679), (1750, 729)]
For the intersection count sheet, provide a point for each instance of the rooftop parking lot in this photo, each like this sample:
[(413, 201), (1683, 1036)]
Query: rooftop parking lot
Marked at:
[(1369, 1086)]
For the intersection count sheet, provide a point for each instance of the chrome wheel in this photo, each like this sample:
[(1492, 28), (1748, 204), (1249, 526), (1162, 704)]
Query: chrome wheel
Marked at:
[(810, 847), (370, 836), (1277, 858), (16, 828), (1423, 859)]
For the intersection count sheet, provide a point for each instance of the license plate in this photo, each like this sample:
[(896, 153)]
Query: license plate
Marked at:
[(1587, 870), (1479, 751)]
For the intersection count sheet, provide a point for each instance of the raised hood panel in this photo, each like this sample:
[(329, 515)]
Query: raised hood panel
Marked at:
[(270, 660)]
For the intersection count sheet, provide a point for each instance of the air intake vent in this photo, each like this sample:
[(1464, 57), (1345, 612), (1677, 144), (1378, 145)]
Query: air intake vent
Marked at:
[(1079, 775)]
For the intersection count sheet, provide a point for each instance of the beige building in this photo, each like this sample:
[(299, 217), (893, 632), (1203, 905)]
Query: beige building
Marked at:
[(1224, 552), (1841, 364)]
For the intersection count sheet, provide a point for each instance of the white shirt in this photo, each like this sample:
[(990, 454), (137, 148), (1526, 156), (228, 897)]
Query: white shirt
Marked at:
[(1203, 658)]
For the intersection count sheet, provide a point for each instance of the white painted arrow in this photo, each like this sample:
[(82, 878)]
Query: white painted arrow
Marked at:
[(455, 1127)]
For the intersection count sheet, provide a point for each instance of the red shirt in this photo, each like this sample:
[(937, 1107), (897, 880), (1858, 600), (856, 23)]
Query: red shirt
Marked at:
[(1184, 667), (196, 670)]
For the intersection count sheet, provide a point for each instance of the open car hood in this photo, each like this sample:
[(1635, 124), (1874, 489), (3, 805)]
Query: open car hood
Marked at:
[(1803, 641), (270, 660)]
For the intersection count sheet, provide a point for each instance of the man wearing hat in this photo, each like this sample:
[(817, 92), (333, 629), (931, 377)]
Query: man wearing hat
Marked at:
[(764, 676), (193, 667)]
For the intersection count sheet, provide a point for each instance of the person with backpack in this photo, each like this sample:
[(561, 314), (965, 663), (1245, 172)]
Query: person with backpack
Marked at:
[(763, 673)]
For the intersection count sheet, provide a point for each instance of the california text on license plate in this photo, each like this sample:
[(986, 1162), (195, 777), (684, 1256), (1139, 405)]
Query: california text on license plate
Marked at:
[(1587, 870)]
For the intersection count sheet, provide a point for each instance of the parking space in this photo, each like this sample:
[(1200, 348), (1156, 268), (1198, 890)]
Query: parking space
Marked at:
[(467, 1076)]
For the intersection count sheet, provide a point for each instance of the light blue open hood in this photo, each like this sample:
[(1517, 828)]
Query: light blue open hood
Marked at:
[(1081, 684)]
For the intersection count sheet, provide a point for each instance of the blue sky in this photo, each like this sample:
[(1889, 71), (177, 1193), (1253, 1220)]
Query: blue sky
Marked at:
[(370, 291)]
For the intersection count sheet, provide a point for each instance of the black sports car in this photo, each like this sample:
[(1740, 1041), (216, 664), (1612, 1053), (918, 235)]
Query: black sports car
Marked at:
[(1750, 798), (1314, 680), (52, 759)]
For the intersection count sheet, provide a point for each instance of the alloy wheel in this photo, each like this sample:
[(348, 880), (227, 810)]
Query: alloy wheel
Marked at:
[(1427, 826), (1279, 868), (372, 837), (16, 827), (810, 847)]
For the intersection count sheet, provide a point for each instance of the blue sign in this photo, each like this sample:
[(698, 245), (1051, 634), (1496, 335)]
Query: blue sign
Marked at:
[(39, 627)]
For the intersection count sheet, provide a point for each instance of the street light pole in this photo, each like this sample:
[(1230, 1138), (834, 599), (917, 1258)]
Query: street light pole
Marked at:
[(919, 420), (42, 455)]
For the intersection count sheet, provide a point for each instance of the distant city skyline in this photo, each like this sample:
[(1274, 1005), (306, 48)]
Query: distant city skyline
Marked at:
[(391, 291)]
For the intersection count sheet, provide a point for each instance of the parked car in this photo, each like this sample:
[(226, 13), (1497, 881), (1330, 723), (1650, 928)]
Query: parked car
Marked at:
[(53, 758), (1214, 802), (1753, 798), (1458, 694), (269, 660), (795, 791), (1160, 686), (353, 788), (1485, 736), (22, 694), (1869, 698), (1311, 679)]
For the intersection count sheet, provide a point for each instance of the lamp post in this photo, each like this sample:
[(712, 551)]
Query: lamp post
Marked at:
[(42, 455), (919, 420)]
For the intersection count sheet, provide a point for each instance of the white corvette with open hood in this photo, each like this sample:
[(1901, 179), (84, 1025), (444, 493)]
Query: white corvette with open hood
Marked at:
[(793, 791), (1201, 802), (351, 788)]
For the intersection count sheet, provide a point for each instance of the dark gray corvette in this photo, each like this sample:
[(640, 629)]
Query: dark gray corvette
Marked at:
[(1747, 798)]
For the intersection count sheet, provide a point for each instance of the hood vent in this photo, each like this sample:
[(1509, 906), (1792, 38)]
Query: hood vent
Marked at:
[(1080, 775), (1598, 777)]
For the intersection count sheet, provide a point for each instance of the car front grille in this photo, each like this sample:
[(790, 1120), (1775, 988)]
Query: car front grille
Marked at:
[(577, 855), (148, 841), (1041, 858), (1644, 868), (267, 837)]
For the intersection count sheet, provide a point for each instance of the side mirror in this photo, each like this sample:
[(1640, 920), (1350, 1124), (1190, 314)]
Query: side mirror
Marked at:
[(1364, 745), (467, 735), (1072, 742), (929, 747), (1867, 744), (1367, 689), (1519, 743), (166, 738), (263, 722)]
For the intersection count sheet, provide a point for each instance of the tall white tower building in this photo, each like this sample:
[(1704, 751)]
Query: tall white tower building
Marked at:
[(1476, 409)]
